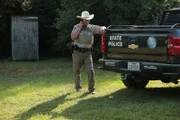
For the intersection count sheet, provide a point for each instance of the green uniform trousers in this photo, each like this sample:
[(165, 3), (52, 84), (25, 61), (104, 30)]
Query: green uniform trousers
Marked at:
[(79, 60)]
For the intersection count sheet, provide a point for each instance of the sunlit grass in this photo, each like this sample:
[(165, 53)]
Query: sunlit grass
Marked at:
[(44, 90)]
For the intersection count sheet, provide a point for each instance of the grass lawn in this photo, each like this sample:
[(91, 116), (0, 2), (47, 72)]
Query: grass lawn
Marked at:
[(44, 90)]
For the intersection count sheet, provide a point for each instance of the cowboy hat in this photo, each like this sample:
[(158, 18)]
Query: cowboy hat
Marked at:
[(85, 15)]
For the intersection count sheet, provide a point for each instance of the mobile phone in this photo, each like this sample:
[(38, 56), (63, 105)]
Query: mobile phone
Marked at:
[(82, 22)]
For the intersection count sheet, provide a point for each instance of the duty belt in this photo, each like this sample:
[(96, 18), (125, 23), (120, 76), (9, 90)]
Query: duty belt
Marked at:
[(83, 50)]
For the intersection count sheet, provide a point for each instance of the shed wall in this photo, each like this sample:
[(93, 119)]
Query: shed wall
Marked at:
[(25, 38)]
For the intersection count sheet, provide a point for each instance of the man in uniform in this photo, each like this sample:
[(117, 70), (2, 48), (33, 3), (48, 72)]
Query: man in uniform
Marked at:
[(83, 39)]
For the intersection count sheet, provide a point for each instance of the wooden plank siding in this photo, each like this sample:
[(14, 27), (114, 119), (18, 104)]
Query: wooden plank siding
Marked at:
[(25, 38)]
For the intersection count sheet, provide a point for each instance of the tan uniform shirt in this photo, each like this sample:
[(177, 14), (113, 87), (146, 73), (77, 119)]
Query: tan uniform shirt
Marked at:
[(86, 36)]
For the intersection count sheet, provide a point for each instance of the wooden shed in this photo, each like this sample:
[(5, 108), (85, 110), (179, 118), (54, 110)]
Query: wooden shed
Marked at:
[(25, 38)]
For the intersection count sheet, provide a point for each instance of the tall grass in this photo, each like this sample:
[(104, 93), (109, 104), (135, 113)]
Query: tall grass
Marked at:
[(44, 90)]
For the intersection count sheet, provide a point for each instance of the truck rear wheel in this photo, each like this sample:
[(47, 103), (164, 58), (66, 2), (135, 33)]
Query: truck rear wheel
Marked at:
[(131, 82)]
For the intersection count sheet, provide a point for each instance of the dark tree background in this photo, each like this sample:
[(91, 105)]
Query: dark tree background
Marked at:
[(57, 17)]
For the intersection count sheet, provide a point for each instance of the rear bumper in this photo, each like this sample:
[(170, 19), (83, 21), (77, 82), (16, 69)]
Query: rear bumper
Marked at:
[(148, 69)]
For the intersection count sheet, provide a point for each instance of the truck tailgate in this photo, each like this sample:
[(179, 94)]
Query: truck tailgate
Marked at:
[(146, 44)]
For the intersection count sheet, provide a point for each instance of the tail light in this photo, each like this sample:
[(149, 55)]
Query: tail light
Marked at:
[(174, 45), (103, 46)]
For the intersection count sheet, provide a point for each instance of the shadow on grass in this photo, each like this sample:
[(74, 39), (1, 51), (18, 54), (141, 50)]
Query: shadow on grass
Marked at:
[(43, 108), (123, 104), (46, 107)]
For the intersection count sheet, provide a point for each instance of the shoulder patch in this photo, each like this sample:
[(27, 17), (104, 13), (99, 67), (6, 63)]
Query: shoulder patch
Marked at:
[(75, 28)]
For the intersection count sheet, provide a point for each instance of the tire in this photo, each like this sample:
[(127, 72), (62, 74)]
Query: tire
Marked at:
[(130, 82)]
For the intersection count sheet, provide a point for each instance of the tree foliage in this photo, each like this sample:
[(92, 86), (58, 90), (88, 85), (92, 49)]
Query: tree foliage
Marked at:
[(109, 12), (7, 9), (57, 17), (44, 9)]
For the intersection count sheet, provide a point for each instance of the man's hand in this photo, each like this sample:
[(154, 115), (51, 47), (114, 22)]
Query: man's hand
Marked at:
[(102, 30), (80, 25)]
